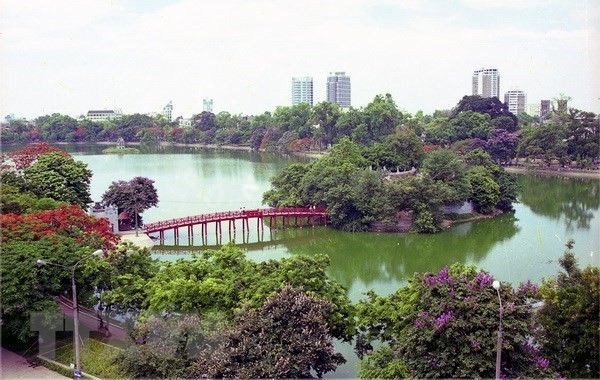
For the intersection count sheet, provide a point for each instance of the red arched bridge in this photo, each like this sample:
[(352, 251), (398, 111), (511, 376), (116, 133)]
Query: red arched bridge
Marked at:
[(312, 215)]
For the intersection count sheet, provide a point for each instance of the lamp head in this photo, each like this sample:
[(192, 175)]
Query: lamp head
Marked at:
[(41, 262), (496, 284), (98, 252)]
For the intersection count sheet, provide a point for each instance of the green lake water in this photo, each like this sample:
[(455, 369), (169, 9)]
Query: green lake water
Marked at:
[(517, 246)]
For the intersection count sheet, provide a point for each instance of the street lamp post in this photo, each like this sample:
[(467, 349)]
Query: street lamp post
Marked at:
[(496, 285), (75, 306)]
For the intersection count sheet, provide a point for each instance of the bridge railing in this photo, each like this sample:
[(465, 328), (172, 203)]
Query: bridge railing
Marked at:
[(233, 215)]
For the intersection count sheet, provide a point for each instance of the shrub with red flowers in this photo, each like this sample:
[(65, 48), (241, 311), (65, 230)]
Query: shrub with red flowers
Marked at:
[(68, 220), (445, 325)]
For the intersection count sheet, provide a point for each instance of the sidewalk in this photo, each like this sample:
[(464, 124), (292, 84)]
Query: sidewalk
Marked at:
[(142, 240), (17, 367)]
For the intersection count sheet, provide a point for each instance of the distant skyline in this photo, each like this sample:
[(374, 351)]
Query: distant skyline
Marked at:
[(71, 56)]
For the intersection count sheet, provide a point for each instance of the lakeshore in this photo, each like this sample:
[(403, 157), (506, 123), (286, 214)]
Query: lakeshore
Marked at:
[(555, 172)]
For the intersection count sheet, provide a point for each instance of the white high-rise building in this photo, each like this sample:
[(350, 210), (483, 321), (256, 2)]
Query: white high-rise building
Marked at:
[(486, 83), (338, 89), (302, 90), (207, 105), (516, 100), (168, 111)]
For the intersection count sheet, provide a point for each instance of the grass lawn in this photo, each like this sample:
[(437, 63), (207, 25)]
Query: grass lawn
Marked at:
[(96, 358)]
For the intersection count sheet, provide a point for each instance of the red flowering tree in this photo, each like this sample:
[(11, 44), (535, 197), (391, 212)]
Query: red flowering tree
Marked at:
[(68, 220), (23, 158), (445, 325)]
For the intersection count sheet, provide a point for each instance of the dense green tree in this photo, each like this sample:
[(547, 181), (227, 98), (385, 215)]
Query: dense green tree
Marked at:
[(264, 120), (286, 187), (15, 131), (224, 280), (416, 122), (287, 338), (59, 177), (124, 275), (294, 118), (133, 196), (570, 319), (408, 146), (127, 127), (584, 135), (491, 106), (481, 165), (380, 156), (326, 115), (382, 117), (443, 165), (444, 325), (16, 201), (470, 124), (56, 127), (485, 191), (505, 122), (546, 142), (204, 121), (349, 122), (424, 197)]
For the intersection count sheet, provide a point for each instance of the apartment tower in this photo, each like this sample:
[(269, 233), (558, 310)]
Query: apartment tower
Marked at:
[(486, 83), (338, 89), (207, 105), (168, 111), (302, 90), (516, 100)]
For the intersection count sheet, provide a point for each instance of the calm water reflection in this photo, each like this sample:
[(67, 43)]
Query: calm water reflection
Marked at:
[(515, 247)]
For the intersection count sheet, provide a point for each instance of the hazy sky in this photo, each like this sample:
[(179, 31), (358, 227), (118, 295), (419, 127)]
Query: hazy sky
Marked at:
[(70, 56)]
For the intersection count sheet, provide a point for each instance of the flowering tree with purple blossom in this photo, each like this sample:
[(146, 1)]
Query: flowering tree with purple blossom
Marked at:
[(446, 324)]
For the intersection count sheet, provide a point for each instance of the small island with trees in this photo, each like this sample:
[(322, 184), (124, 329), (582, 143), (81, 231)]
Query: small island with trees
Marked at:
[(360, 193)]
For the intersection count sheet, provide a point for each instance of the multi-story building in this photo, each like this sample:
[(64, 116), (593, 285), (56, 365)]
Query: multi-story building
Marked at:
[(104, 115), (544, 109), (207, 105), (168, 111), (486, 83), (338, 89), (533, 109), (302, 90), (516, 101)]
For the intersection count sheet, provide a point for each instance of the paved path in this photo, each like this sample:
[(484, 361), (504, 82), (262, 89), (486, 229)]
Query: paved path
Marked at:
[(88, 319), (17, 367), (142, 240)]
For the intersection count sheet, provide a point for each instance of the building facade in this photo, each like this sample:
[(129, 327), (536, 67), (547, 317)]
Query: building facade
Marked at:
[(302, 90), (103, 115), (168, 111), (544, 109), (338, 89), (516, 100), (207, 105), (486, 83), (533, 109)]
